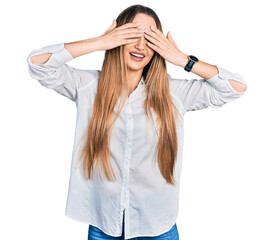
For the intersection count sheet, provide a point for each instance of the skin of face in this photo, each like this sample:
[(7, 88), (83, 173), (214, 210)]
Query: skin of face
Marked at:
[(135, 67)]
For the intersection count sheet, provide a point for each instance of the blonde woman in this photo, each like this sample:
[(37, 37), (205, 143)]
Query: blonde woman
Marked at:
[(127, 154)]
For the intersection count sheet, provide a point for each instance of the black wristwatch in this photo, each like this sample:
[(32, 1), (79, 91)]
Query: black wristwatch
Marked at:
[(191, 62)]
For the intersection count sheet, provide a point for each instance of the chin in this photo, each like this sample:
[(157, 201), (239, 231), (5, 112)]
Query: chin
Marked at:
[(135, 66)]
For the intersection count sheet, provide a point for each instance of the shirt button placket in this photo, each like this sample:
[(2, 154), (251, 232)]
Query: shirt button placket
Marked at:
[(127, 160)]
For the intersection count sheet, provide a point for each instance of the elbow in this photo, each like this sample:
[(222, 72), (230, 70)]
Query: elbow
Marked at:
[(238, 86), (39, 59), (244, 88), (241, 89)]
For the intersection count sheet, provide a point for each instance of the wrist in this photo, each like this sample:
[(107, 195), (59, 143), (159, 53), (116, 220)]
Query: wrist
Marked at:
[(183, 60), (94, 44)]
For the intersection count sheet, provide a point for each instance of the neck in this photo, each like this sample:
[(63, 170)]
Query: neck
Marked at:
[(134, 79)]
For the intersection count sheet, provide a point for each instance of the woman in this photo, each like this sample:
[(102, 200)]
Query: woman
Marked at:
[(130, 123)]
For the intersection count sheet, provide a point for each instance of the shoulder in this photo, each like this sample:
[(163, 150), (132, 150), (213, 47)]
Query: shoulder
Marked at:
[(89, 78)]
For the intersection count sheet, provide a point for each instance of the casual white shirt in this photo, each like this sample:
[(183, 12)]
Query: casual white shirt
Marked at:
[(151, 205)]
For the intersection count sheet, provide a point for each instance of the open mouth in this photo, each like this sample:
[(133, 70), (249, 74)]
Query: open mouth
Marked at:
[(136, 56)]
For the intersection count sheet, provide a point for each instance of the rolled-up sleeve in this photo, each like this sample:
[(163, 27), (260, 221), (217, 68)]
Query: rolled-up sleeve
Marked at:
[(198, 94), (55, 74)]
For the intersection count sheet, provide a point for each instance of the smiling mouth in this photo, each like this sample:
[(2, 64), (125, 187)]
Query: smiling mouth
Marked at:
[(136, 57)]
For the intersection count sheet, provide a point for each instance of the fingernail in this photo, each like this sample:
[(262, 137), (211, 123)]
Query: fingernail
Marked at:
[(152, 27)]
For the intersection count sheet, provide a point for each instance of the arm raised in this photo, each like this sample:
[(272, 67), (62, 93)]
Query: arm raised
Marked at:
[(76, 49), (48, 66)]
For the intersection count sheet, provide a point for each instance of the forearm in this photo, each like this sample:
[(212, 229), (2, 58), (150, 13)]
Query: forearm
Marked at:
[(200, 68), (82, 47), (207, 71), (76, 49)]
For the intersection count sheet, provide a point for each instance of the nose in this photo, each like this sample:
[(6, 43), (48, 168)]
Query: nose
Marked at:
[(141, 42)]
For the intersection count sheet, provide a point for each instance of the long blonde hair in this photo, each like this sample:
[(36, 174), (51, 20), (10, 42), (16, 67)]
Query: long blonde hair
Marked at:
[(112, 85)]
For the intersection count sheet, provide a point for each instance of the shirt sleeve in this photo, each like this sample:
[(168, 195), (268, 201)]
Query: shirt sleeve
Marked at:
[(198, 94), (55, 74)]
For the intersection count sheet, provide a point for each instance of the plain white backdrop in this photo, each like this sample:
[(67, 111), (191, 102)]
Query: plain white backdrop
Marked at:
[(227, 181)]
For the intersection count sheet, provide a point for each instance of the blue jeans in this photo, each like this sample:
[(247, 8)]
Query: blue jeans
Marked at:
[(97, 234)]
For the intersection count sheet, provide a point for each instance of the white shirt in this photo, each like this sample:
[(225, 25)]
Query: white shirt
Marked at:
[(151, 205)]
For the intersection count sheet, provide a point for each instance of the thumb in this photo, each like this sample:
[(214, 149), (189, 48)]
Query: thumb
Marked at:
[(113, 25), (171, 39), (114, 22)]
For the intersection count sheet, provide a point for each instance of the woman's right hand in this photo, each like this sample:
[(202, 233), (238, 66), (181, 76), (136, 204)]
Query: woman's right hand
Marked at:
[(114, 37)]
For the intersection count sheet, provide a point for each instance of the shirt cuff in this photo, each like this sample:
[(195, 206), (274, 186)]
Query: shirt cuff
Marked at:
[(221, 83), (59, 56)]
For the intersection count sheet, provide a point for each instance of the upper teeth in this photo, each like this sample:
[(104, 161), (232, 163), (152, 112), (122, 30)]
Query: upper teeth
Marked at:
[(137, 55)]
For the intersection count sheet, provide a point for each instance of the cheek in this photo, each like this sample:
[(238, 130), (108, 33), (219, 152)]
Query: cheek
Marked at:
[(150, 55), (150, 52), (126, 49)]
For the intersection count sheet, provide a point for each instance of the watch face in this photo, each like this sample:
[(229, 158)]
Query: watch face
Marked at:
[(193, 58)]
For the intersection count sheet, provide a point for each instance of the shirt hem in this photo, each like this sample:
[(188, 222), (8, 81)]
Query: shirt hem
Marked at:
[(119, 235), (151, 235), (90, 223)]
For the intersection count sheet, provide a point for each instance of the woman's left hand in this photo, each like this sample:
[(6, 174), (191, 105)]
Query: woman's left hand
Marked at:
[(165, 46)]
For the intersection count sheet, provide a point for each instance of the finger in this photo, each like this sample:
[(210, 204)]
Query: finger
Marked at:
[(109, 28), (114, 23), (151, 37), (153, 40), (127, 41), (129, 33), (154, 47), (171, 39), (157, 32), (112, 26), (132, 35), (129, 25), (159, 41), (130, 30)]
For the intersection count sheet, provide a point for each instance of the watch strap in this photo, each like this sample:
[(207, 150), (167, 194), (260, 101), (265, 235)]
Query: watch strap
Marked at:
[(190, 63), (189, 66)]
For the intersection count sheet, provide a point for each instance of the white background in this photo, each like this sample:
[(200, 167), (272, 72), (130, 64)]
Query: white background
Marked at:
[(227, 186)]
